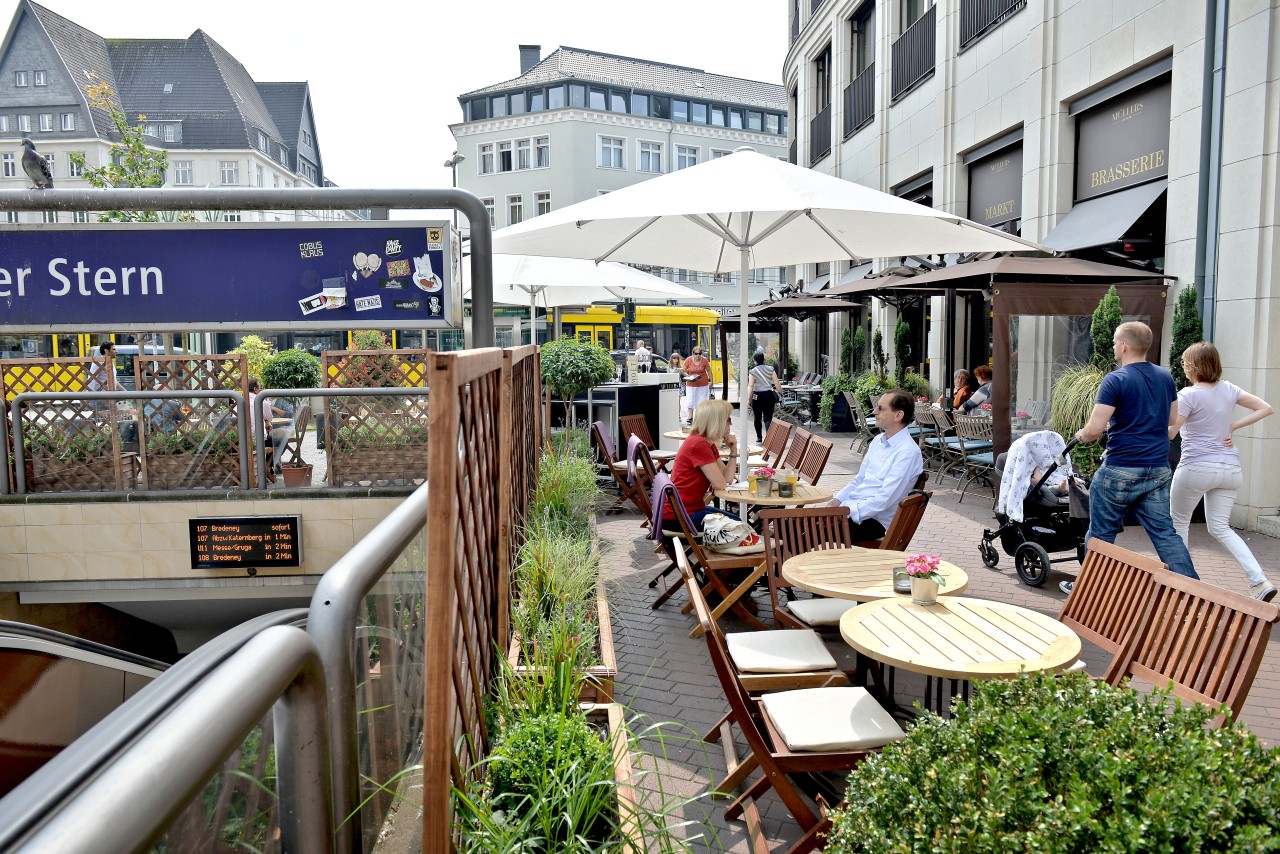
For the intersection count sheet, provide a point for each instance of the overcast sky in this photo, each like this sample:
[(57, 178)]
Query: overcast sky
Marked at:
[(385, 74)]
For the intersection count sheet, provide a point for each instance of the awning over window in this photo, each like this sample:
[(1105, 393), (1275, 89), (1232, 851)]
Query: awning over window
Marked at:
[(1103, 220), (817, 284)]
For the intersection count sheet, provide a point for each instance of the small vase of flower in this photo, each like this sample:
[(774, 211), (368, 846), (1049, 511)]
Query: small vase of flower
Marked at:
[(1022, 418), (764, 481), (925, 578), (985, 409)]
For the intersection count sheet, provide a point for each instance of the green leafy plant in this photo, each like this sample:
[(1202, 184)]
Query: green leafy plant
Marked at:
[(291, 369), (868, 387), (833, 387), (1074, 393), (49, 443), (901, 350), (793, 367), (570, 366), (916, 385), (377, 434), (846, 351), (256, 351), (567, 491), (879, 359), (859, 350), (1064, 764), (1106, 317), (214, 444), (378, 370), (1187, 330)]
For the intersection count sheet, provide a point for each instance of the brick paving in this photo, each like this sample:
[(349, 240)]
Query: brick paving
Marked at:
[(666, 677)]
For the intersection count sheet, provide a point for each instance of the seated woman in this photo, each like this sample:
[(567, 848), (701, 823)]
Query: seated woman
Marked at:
[(983, 395), (960, 387), (697, 469)]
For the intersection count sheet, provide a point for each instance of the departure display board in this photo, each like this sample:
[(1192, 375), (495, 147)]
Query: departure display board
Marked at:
[(244, 542)]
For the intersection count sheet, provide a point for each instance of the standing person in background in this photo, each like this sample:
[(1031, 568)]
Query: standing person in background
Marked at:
[(983, 394), (697, 380), (1210, 464), (644, 357), (675, 365), (1139, 402), (105, 377), (764, 391)]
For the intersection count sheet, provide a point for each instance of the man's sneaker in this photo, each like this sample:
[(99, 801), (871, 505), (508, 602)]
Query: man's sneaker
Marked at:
[(1066, 586), (1264, 590)]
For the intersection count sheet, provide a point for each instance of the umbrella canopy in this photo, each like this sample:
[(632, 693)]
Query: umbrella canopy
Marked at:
[(748, 210), (980, 274), (555, 282), (799, 308)]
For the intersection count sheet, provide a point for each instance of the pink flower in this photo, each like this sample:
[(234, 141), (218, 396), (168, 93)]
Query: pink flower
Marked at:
[(924, 566), (1021, 414), (985, 406), (765, 472)]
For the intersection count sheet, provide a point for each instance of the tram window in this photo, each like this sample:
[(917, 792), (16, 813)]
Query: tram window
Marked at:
[(68, 346)]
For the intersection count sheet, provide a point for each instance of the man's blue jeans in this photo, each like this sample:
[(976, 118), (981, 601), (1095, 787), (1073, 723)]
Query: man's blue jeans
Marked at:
[(1116, 491)]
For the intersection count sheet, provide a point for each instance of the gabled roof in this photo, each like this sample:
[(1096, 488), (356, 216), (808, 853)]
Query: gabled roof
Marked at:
[(571, 63), (209, 90), (287, 103), (84, 53)]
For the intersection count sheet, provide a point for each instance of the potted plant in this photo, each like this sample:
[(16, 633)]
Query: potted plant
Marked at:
[(764, 481), (925, 578), (295, 369), (1022, 418), (570, 366)]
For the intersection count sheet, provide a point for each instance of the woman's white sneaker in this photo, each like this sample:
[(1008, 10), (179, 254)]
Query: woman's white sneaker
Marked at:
[(1264, 590)]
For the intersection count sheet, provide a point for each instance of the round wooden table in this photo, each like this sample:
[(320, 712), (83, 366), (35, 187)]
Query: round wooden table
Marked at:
[(677, 436), (804, 494), (959, 638), (860, 574)]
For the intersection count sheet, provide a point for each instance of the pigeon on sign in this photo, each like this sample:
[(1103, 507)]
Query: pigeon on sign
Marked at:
[(36, 167)]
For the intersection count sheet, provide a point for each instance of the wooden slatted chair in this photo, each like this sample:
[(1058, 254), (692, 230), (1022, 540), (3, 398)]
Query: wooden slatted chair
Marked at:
[(793, 532), (1204, 642), (775, 442), (791, 735), (629, 425), (864, 427), (906, 519), (800, 438), (617, 468), (640, 474), (292, 452), (815, 459), (729, 577), (1110, 596)]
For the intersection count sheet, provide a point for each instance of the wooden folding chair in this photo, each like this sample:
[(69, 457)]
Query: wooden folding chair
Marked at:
[(791, 736), (815, 459), (775, 442), (640, 474), (1110, 596), (1204, 642), (292, 451), (617, 468), (636, 425), (793, 532), (795, 452), (906, 519), (864, 427), (729, 577), (931, 437)]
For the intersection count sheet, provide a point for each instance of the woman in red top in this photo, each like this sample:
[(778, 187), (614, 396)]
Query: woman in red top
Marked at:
[(697, 468)]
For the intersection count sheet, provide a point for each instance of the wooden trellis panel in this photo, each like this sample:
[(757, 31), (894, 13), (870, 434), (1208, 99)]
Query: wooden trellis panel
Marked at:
[(71, 446), (374, 368), (19, 375), (471, 488), (193, 373), (377, 440)]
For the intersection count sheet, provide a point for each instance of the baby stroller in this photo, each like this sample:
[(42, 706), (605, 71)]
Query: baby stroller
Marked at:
[(1049, 524)]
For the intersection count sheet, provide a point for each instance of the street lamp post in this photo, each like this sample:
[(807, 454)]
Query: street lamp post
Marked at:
[(452, 164)]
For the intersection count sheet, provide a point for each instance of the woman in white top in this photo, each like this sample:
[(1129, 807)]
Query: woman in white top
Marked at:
[(1210, 464), (764, 391)]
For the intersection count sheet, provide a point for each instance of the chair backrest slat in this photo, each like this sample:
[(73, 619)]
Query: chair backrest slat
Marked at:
[(906, 520), (1205, 642), (798, 530), (815, 459), (975, 427), (635, 425), (1110, 595), (799, 444)]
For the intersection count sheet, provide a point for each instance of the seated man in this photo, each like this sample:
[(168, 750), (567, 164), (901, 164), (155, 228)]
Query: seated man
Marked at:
[(890, 468)]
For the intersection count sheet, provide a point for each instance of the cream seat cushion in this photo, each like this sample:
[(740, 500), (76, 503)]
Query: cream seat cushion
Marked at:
[(820, 611), (811, 720), (779, 651)]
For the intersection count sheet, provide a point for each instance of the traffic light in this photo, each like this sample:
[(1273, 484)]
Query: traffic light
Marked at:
[(628, 311)]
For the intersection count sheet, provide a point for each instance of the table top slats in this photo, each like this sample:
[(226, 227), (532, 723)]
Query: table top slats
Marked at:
[(804, 494), (859, 574), (1006, 632)]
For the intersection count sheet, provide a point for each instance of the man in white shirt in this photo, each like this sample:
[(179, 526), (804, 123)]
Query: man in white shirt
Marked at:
[(889, 470), (644, 357)]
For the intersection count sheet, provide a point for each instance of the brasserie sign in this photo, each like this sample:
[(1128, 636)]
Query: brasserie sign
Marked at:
[(1124, 142)]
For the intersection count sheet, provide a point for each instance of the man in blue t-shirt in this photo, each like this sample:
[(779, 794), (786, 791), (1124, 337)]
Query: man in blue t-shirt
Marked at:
[(1140, 401)]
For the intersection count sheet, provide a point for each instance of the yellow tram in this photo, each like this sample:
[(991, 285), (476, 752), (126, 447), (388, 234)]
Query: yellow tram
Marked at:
[(663, 328)]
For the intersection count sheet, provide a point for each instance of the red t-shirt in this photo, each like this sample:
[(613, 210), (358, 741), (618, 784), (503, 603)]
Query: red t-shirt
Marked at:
[(687, 476)]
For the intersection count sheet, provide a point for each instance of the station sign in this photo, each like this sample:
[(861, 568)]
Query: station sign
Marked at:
[(154, 277), (245, 542)]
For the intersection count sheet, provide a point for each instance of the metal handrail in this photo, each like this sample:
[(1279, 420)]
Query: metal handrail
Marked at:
[(19, 471), (129, 803), (260, 438), (23, 810), (9, 628), (334, 606)]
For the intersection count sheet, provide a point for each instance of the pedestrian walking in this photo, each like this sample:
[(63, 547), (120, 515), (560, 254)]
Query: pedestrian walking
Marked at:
[(1210, 464), (1138, 401)]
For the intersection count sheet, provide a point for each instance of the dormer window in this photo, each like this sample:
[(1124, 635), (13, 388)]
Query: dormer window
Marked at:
[(168, 88), (20, 78), (41, 78), (262, 141)]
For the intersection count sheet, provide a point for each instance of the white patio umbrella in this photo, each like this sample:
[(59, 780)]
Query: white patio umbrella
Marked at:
[(554, 282), (752, 211)]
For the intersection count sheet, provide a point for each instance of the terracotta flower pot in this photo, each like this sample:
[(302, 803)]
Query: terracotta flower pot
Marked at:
[(296, 475)]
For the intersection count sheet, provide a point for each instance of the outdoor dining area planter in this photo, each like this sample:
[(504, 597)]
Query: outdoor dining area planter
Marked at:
[(185, 472), (598, 684), (405, 464)]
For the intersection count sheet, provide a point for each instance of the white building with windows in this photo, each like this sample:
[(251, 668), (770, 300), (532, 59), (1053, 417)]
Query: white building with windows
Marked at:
[(1141, 133), (220, 127), (579, 123)]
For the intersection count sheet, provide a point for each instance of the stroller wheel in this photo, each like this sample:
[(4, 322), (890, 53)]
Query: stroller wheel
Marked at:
[(1032, 564), (990, 557)]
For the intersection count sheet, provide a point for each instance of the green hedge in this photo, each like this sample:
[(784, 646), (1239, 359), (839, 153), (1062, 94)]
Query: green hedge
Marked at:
[(1064, 764)]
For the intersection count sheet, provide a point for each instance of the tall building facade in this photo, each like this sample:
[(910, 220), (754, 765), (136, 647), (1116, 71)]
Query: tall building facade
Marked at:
[(579, 123), (1141, 133), (220, 127)]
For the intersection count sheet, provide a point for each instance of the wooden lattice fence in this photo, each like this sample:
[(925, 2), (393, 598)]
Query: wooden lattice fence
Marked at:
[(484, 404)]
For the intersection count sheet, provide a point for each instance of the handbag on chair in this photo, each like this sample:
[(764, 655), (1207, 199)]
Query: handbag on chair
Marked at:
[(726, 535)]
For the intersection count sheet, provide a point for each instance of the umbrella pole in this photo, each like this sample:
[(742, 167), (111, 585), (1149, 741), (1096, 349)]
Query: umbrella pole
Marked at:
[(950, 343), (743, 447)]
